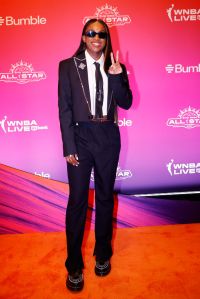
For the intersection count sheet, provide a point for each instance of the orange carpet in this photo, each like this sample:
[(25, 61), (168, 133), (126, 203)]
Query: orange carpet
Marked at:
[(148, 263)]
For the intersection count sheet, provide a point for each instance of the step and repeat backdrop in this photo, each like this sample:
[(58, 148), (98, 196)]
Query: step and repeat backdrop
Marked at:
[(158, 41)]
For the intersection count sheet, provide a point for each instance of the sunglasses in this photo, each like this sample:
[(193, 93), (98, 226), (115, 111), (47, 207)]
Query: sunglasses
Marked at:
[(101, 34)]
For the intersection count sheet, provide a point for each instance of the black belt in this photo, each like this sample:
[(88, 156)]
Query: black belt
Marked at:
[(94, 120), (100, 119)]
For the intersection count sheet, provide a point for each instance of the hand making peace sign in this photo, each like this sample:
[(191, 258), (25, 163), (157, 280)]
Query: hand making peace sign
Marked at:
[(115, 67)]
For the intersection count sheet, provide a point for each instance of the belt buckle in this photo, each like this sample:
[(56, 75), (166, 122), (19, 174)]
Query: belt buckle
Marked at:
[(100, 119)]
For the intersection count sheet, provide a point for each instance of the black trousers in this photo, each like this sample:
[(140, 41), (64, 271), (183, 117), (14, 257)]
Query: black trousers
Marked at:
[(98, 147)]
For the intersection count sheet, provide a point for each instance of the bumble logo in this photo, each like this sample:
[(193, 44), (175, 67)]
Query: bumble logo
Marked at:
[(27, 21), (181, 69)]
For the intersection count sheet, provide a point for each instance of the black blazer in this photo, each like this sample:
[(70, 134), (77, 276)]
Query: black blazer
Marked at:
[(74, 97)]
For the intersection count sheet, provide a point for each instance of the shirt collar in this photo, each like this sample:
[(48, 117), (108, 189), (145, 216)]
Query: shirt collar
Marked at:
[(91, 60)]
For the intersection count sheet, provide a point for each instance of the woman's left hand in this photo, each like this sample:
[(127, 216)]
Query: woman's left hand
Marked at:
[(115, 67)]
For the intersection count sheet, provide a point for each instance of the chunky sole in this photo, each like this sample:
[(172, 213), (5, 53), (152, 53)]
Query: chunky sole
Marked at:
[(102, 272), (74, 287)]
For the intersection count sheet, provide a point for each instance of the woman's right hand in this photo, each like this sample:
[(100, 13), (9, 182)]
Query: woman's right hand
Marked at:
[(72, 159)]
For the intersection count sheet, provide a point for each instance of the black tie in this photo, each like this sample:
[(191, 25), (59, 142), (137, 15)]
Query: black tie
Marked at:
[(99, 91)]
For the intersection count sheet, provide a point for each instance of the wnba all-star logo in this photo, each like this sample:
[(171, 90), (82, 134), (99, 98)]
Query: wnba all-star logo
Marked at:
[(109, 15), (121, 174), (188, 118), (22, 72)]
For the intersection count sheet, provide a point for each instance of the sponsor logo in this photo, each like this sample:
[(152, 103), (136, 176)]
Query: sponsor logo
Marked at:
[(22, 72), (179, 68), (121, 174), (183, 168), (183, 14), (1, 21), (27, 21), (43, 174), (19, 126), (110, 15), (188, 118), (125, 122)]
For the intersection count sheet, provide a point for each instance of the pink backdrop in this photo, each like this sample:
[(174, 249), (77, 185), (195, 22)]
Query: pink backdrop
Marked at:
[(159, 42)]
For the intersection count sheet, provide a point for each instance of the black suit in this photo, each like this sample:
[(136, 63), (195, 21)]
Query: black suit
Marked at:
[(97, 146)]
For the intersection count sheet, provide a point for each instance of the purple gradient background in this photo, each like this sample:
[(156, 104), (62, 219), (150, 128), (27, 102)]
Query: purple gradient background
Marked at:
[(146, 45), (30, 204)]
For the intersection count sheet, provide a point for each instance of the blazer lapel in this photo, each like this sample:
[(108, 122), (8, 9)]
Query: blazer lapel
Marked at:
[(81, 67)]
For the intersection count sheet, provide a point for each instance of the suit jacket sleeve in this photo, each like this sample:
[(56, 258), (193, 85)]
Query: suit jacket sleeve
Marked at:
[(65, 110), (121, 90)]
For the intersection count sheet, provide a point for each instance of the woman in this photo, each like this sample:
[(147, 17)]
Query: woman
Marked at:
[(92, 84)]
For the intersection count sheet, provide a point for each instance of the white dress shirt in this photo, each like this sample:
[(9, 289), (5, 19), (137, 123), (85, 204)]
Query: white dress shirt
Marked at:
[(92, 82)]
